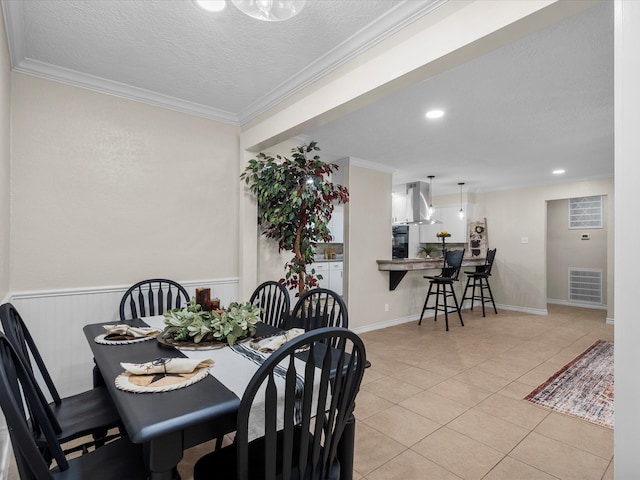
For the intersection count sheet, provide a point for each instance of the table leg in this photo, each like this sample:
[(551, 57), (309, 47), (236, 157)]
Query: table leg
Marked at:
[(346, 449), (162, 456)]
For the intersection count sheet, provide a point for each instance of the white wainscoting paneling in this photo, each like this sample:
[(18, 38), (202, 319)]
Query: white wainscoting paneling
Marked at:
[(56, 318)]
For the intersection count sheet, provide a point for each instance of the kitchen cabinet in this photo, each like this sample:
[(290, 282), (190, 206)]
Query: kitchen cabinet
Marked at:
[(401, 207), (336, 283), (448, 215), (321, 268), (336, 225), (332, 275)]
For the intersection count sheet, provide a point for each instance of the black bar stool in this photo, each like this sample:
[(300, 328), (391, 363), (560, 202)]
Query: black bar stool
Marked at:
[(480, 280), (449, 274)]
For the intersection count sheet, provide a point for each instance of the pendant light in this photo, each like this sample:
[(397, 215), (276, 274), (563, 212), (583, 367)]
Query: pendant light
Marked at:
[(461, 212), (430, 211), (270, 10)]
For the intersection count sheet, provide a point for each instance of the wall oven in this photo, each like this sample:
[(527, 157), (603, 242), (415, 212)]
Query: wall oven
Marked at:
[(400, 242)]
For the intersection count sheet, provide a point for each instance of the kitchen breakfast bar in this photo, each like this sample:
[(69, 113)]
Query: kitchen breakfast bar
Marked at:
[(399, 267)]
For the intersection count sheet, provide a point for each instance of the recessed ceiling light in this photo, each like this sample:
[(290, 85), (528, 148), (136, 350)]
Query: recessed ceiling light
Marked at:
[(435, 114), (558, 172), (211, 5)]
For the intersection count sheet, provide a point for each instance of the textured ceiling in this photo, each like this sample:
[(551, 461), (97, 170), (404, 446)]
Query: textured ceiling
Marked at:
[(512, 115), (226, 65)]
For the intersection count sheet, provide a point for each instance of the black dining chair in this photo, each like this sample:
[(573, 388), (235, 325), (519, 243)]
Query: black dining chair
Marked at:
[(152, 297), (273, 298), (119, 459), (444, 288), (480, 278), (317, 308), (307, 405), (89, 413)]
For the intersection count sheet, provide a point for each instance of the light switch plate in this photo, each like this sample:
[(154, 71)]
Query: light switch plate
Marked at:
[(524, 239)]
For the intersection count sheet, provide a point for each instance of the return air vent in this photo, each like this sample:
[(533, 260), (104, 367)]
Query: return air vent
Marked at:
[(585, 285), (585, 212)]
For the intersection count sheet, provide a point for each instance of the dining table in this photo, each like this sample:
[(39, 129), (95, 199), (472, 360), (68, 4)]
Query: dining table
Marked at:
[(167, 423)]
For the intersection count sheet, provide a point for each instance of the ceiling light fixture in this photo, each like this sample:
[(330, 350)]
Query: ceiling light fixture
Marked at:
[(461, 212), (558, 172), (270, 10), (211, 5), (430, 211), (433, 114)]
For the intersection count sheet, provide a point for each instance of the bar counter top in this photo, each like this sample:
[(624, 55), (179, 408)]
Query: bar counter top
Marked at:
[(398, 267), (402, 264)]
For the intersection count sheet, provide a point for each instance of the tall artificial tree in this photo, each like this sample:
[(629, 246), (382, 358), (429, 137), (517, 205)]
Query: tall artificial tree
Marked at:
[(295, 202)]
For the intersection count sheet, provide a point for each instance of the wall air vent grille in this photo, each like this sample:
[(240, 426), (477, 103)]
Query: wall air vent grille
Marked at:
[(585, 212), (585, 285)]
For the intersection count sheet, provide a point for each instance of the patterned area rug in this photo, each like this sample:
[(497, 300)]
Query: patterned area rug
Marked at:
[(582, 388)]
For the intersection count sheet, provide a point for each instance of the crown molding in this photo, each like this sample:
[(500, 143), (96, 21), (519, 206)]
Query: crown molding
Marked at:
[(13, 15), (101, 85), (359, 162), (383, 27)]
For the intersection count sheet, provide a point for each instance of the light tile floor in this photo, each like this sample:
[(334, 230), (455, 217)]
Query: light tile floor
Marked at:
[(449, 405)]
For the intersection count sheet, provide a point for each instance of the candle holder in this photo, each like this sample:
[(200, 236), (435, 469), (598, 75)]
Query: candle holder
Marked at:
[(203, 298)]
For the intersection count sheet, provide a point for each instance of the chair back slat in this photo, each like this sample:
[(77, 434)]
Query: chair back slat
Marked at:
[(152, 297), (273, 299), (319, 387)]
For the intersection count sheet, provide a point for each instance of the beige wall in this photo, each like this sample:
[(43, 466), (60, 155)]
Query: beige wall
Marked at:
[(565, 249), (368, 237), (5, 148), (107, 191), (519, 276)]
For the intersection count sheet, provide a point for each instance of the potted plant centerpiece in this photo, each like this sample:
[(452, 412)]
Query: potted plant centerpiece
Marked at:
[(426, 250), (191, 324), (295, 203)]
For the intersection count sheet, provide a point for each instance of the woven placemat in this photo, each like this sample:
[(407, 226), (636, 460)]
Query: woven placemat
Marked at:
[(159, 382)]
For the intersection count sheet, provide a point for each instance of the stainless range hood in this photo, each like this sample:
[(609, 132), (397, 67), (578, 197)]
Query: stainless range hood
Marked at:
[(419, 198)]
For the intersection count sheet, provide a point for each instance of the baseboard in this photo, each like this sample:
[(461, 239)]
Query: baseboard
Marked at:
[(595, 306), (513, 308), (389, 323), (415, 318)]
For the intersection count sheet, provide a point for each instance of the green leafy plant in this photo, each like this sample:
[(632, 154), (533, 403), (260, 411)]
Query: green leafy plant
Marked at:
[(295, 204), (192, 324), (426, 250)]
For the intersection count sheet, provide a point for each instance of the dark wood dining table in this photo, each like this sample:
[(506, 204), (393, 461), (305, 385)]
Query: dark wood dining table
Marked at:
[(167, 423)]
